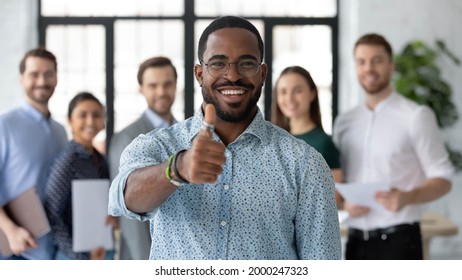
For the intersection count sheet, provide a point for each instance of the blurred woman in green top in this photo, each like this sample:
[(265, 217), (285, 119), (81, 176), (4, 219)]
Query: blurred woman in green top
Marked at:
[(295, 108)]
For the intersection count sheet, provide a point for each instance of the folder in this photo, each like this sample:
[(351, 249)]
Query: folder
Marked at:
[(89, 212), (26, 211)]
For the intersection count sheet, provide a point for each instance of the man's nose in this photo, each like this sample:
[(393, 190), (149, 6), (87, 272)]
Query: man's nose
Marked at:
[(232, 73), (368, 66), (41, 79)]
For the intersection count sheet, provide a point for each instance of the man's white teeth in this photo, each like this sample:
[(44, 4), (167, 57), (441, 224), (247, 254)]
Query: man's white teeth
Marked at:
[(233, 92), (370, 78)]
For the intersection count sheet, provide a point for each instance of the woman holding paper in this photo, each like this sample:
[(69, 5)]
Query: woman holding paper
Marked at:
[(296, 109), (79, 160)]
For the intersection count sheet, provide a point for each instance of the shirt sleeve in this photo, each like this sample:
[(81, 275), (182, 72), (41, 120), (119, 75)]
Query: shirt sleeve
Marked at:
[(117, 206), (429, 145), (140, 153), (3, 156), (317, 227)]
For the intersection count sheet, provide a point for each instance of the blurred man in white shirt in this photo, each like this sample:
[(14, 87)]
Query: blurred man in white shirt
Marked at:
[(390, 139)]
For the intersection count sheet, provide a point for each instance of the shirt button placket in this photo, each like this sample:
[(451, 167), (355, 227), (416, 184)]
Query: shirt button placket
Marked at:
[(225, 207)]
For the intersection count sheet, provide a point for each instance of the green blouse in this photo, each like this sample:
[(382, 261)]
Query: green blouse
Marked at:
[(322, 142)]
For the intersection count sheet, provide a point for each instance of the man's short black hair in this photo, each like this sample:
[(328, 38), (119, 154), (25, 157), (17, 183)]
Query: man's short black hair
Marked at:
[(377, 40), (157, 61), (228, 22), (38, 52)]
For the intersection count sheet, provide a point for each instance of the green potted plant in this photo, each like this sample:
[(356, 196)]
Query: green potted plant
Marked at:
[(418, 77)]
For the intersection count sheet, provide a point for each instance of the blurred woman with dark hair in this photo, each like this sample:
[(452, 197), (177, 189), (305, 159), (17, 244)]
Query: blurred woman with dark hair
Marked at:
[(79, 160), (296, 108)]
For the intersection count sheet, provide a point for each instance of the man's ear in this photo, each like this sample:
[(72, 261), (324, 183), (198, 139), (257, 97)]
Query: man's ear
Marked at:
[(21, 79), (198, 71), (393, 66), (264, 72)]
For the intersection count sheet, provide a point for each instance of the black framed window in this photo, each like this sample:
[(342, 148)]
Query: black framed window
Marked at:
[(99, 45)]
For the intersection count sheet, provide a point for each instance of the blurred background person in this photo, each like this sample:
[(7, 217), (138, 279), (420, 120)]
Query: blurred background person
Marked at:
[(79, 160), (30, 140), (296, 108), (157, 79), (389, 138)]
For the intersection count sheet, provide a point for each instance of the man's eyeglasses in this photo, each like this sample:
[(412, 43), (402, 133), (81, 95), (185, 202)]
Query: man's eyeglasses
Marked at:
[(217, 68)]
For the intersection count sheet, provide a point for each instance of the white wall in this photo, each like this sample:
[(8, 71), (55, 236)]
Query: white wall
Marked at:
[(401, 21), (18, 33)]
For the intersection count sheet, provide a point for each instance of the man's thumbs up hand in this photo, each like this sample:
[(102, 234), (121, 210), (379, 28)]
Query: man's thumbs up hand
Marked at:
[(202, 162), (208, 126)]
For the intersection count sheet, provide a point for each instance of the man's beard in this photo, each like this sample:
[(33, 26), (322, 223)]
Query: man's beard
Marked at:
[(376, 89), (379, 87), (227, 116), (40, 98)]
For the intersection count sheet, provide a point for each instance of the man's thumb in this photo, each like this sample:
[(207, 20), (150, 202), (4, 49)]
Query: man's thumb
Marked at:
[(208, 126)]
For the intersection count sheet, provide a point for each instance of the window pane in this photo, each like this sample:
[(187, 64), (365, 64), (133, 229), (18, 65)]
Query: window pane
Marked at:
[(112, 8), (274, 8), (136, 41), (308, 47), (80, 54), (199, 28)]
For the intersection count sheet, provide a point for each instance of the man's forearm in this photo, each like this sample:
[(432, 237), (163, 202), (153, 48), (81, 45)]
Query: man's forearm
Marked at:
[(147, 188), (430, 190)]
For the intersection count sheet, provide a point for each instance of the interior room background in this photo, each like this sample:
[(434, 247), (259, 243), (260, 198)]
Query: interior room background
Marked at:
[(399, 21)]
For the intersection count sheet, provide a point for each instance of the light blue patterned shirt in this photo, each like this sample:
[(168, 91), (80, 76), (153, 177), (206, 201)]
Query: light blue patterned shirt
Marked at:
[(274, 199)]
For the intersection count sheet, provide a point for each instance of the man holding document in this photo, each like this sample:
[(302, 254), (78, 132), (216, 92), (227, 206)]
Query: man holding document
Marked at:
[(30, 140), (225, 183), (393, 145)]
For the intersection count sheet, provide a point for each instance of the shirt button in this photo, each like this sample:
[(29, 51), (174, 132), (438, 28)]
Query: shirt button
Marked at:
[(223, 223), (226, 187)]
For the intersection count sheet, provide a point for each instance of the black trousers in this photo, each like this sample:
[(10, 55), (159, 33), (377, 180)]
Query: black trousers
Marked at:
[(402, 242)]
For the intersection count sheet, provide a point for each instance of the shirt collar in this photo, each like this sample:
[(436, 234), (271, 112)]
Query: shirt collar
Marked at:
[(256, 128), (383, 104), (156, 120), (34, 113), (80, 150)]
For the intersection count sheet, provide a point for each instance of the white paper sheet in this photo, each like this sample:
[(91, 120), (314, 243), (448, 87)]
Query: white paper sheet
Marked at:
[(342, 216), (362, 193), (89, 212)]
